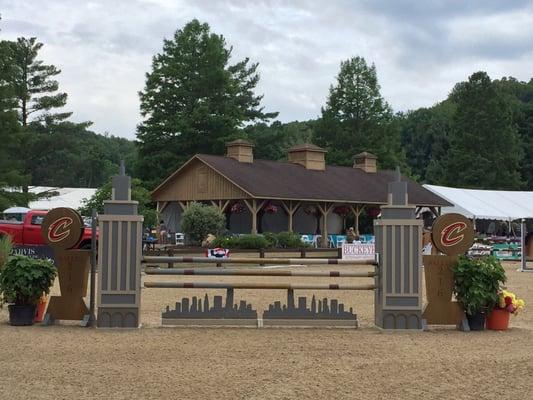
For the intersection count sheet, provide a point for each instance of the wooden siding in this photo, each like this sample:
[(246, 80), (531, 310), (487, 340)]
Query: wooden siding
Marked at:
[(198, 181)]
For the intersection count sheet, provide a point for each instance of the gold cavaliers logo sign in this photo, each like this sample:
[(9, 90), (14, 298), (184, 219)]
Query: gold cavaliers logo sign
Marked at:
[(58, 230), (452, 234), (62, 228)]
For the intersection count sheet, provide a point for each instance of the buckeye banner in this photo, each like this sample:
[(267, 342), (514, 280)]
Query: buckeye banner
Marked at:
[(358, 251)]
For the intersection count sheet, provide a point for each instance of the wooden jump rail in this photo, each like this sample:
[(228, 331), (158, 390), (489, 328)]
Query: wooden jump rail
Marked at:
[(233, 285), (238, 260), (255, 272)]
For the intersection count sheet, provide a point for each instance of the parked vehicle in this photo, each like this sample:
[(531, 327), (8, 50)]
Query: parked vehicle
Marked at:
[(28, 232)]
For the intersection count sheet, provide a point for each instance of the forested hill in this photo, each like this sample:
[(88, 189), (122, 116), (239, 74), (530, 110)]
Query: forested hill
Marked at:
[(71, 155)]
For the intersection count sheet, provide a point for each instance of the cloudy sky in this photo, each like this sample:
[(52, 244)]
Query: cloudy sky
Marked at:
[(420, 48)]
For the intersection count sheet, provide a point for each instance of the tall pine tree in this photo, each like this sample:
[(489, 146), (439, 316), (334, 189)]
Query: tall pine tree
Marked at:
[(356, 118), (36, 89), (484, 150), (11, 168), (194, 100)]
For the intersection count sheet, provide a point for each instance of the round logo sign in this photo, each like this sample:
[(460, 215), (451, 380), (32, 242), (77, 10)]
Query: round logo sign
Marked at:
[(62, 228), (452, 234)]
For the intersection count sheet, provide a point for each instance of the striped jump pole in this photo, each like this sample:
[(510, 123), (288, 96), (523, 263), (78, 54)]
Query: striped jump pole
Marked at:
[(244, 285), (255, 272), (280, 261)]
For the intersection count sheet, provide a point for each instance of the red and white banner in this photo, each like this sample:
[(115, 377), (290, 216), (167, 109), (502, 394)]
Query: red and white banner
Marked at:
[(358, 251), (217, 252)]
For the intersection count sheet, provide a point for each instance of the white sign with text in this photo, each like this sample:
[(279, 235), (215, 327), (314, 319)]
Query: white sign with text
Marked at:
[(358, 251)]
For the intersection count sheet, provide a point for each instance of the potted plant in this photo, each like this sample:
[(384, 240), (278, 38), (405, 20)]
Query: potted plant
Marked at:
[(6, 246), (22, 283), (477, 283), (507, 304)]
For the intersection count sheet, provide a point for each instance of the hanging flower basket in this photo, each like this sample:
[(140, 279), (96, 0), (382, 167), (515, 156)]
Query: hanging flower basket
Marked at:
[(237, 208), (373, 212), (310, 210), (271, 208), (342, 211)]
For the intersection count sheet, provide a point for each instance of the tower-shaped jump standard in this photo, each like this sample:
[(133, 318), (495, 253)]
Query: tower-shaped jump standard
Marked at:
[(398, 302), (119, 258)]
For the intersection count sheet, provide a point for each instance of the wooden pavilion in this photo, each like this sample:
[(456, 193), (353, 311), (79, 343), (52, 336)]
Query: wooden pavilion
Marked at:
[(302, 186)]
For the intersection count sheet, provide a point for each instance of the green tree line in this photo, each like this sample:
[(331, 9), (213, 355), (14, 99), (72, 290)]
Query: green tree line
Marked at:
[(197, 96)]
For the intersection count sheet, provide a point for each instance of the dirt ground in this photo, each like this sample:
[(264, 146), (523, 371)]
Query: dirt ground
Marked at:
[(69, 362)]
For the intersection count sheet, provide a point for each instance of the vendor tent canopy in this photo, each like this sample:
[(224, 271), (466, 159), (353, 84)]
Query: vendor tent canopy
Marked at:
[(53, 197), (486, 204), (16, 210)]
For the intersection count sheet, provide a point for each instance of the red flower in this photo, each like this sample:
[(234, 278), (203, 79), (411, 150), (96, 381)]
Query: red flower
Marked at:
[(373, 212), (508, 301)]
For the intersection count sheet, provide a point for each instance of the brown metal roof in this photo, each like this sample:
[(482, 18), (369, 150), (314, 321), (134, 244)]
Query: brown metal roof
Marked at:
[(284, 180)]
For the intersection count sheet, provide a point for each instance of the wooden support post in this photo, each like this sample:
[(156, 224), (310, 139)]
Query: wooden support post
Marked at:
[(254, 217), (261, 255), (325, 211), (357, 210), (170, 253), (254, 208), (290, 209), (183, 205)]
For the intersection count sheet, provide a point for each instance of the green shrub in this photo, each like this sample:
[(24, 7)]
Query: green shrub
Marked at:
[(23, 280), (289, 240), (252, 242), (262, 241), (225, 242), (271, 238), (477, 283), (5, 249), (199, 220)]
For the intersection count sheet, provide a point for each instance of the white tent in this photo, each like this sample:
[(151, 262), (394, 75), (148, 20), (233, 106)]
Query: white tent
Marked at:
[(486, 204), (490, 204), (60, 197), (16, 210)]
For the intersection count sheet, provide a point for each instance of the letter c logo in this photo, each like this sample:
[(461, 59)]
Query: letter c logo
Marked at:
[(58, 230), (451, 234)]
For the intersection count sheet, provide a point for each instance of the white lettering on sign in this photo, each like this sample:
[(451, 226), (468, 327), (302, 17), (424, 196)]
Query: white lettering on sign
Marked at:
[(358, 251)]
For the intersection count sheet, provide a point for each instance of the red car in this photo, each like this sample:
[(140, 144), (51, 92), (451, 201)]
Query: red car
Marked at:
[(28, 232)]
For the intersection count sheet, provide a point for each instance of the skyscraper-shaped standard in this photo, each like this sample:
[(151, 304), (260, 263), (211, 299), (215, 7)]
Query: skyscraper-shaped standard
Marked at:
[(119, 258), (398, 297)]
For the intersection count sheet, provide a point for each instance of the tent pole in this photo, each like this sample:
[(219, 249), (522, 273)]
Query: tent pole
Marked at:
[(523, 260)]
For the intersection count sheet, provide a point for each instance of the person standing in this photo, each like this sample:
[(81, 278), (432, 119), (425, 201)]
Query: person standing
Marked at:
[(162, 232)]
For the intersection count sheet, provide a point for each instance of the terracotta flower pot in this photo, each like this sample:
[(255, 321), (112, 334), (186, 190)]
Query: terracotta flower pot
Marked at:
[(498, 319), (39, 312)]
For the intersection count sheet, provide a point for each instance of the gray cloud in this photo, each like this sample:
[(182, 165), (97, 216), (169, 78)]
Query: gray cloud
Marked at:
[(421, 49)]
